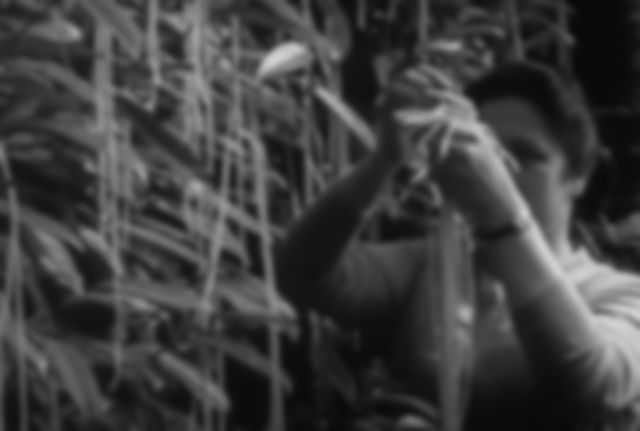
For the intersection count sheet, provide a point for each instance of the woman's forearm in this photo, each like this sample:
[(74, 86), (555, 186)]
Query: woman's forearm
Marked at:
[(318, 238), (554, 323)]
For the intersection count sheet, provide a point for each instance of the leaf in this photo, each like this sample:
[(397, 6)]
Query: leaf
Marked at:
[(200, 386), (53, 257), (250, 296), (400, 402), (19, 82), (232, 243), (286, 12), (71, 135), (474, 13), (76, 377), (377, 422), (565, 7), (38, 48), (57, 74), (94, 260), (243, 302), (412, 422), (179, 298), (479, 30), (233, 212), (118, 19), (38, 220), (26, 348), (447, 46), (30, 103), (167, 245), (135, 357), (348, 116), (177, 153), (283, 59), (160, 227), (290, 17), (56, 29), (337, 26), (250, 322), (420, 117), (248, 355)]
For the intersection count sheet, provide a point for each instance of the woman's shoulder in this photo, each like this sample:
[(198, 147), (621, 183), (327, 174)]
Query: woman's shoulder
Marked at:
[(600, 281)]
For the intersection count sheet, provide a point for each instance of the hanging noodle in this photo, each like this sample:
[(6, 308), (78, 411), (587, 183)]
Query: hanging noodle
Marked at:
[(438, 110), (451, 307)]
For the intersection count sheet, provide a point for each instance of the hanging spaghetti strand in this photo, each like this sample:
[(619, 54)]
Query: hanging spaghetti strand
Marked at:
[(431, 132)]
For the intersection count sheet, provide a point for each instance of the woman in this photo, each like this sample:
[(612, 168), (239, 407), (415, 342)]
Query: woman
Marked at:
[(560, 349)]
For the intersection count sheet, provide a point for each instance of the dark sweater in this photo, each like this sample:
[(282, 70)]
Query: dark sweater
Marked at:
[(560, 361), (383, 290)]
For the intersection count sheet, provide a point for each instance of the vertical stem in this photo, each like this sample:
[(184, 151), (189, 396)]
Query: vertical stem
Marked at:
[(209, 300), (340, 133), (207, 77), (564, 50), (101, 80), (127, 183), (260, 170), (18, 295), (516, 33), (277, 422), (154, 49), (307, 128), (11, 276), (3, 369), (110, 176), (314, 165), (13, 295), (21, 334), (54, 404), (453, 281), (213, 364), (423, 28), (362, 14)]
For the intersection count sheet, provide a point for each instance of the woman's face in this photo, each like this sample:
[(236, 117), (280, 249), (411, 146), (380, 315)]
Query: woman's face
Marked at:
[(542, 177)]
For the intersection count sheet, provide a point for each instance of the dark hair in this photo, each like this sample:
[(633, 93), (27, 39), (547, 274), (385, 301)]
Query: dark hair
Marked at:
[(560, 103)]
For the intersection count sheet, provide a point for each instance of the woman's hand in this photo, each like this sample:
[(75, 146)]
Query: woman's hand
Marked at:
[(475, 176), (423, 124), (397, 144)]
